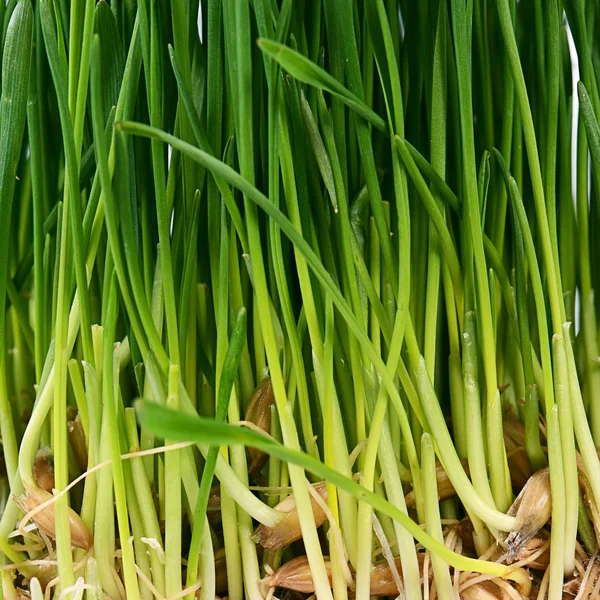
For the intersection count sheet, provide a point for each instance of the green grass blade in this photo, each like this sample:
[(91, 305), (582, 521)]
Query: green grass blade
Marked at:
[(177, 426)]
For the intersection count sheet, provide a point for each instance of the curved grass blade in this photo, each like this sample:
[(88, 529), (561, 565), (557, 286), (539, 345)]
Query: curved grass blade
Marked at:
[(235, 179), (437, 422), (182, 427), (306, 71)]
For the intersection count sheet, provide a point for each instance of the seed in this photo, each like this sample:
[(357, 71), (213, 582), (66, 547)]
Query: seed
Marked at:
[(44, 519), (214, 498), (382, 579), (519, 467), (287, 530), (295, 575), (465, 532), (444, 485), (533, 508), (518, 463), (46, 574), (43, 469), (221, 584), (486, 590), (514, 434), (259, 413), (528, 552), (77, 437), (533, 546)]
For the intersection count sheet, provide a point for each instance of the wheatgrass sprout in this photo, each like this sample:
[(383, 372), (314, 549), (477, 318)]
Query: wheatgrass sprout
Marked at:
[(297, 299)]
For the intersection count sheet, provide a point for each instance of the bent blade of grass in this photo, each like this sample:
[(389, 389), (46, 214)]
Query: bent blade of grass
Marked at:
[(306, 71), (177, 426), (440, 431)]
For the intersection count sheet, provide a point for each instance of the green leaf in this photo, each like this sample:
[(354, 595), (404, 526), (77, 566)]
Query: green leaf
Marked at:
[(306, 71), (177, 426)]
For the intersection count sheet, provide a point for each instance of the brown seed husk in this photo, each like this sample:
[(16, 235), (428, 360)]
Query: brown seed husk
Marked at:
[(259, 413), (444, 485), (43, 469), (465, 532), (533, 509), (221, 585), (382, 579), (80, 534), (287, 530), (518, 462), (519, 467), (46, 574), (296, 575), (532, 547), (485, 590), (77, 438), (214, 498), (525, 552), (514, 434)]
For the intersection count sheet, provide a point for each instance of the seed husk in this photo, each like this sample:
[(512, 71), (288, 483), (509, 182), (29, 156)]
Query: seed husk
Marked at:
[(444, 485), (77, 438), (519, 467), (43, 469), (221, 583), (259, 413), (514, 434), (44, 519), (46, 574), (525, 552), (533, 508), (485, 590), (287, 530), (465, 532), (541, 562), (296, 575)]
